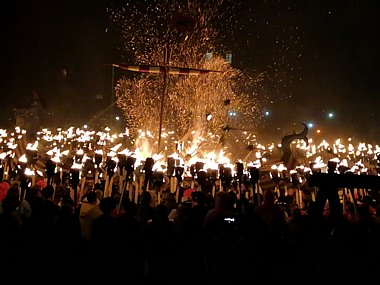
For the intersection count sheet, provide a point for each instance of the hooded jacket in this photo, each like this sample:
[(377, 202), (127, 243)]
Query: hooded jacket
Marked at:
[(88, 213)]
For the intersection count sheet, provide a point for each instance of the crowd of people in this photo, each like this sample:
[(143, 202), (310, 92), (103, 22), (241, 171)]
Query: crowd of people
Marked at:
[(225, 239)]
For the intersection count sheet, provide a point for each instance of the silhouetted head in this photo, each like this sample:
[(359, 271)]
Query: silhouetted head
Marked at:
[(222, 201), (268, 198), (129, 207), (48, 191), (9, 204), (146, 198), (161, 213), (107, 205), (91, 197)]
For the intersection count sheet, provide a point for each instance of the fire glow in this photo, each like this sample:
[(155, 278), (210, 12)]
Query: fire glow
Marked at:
[(58, 144)]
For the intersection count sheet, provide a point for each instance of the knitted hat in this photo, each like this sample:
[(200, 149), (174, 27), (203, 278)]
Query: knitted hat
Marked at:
[(4, 186)]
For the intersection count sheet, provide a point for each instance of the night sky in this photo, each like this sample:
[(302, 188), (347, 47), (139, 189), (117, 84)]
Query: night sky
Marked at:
[(320, 57)]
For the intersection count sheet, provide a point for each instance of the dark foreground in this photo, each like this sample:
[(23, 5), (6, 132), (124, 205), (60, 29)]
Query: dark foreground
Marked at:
[(201, 245)]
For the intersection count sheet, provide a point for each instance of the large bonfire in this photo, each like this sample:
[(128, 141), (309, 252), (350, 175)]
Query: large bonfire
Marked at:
[(195, 107)]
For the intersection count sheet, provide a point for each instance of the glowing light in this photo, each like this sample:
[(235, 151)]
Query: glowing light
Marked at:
[(232, 114), (23, 159), (189, 99)]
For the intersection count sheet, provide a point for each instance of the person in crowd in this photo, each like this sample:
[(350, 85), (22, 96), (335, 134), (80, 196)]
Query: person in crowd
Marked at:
[(183, 208), (223, 233), (4, 186), (38, 218), (271, 233), (104, 226), (70, 252), (216, 216), (12, 240), (162, 247), (24, 210), (104, 240), (131, 239), (199, 210), (52, 209), (9, 222), (89, 211), (145, 211), (271, 218), (168, 199), (189, 221)]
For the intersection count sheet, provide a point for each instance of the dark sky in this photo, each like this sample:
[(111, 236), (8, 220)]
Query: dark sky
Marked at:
[(329, 61), (42, 40)]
